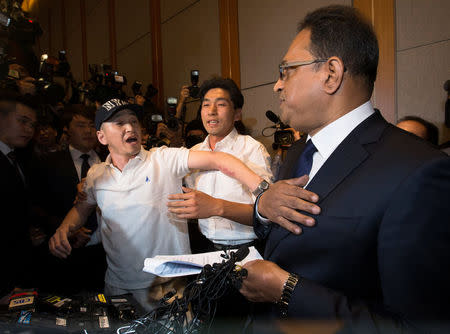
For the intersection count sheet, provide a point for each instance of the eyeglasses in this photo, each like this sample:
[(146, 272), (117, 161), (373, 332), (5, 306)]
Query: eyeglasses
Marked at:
[(283, 67)]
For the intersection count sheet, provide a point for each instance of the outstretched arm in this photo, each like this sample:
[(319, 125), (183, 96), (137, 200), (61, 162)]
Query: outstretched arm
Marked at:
[(227, 164)]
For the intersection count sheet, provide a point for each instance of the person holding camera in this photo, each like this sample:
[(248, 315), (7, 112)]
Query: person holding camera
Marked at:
[(181, 106)]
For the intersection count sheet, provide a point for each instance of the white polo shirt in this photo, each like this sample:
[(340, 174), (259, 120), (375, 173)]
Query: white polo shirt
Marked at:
[(135, 222), (216, 184)]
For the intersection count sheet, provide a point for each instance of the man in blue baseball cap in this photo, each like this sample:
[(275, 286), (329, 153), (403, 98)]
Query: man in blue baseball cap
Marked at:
[(131, 189)]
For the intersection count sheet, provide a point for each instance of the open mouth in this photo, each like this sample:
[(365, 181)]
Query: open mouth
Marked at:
[(213, 122), (131, 140)]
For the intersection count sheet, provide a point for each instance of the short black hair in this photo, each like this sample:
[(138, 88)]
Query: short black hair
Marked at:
[(9, 98), (70, 111), (432, 135), (195, 124), (342, 31), (226, 84)]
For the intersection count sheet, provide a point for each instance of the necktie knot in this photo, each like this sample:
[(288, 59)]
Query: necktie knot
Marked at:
[(85, 157), (305, 161)]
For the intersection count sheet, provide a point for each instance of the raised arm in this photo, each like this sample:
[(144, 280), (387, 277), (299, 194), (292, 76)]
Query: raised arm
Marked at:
[(59, 243), (227, 164)]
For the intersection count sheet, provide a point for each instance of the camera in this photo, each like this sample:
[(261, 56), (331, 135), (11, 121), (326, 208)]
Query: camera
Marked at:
[(172, 120), (136, 88), (194, 90), (63, 67), (282, 138), (153, 140)]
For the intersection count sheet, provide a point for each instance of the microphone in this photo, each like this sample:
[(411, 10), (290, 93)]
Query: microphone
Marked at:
[(274, 118), (241, 253), (271, 116)]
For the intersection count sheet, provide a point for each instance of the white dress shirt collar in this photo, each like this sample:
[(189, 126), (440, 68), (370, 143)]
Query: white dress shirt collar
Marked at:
[(76, 154), (4, 148), (331, 136)]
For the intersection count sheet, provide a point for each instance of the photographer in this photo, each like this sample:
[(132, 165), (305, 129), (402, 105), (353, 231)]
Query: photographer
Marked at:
[(181, 106), (163, 131)]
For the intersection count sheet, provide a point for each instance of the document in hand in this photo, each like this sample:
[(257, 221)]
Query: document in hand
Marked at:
[(190, 264)]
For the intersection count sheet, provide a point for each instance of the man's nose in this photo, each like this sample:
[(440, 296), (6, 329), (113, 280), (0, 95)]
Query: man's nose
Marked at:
[(212, 109), (278, 86)]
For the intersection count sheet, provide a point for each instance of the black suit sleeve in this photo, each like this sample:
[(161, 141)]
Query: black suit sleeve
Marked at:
[(413, 259)]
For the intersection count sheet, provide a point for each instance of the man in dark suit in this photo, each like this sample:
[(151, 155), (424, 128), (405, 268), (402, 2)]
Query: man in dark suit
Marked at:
[(377, 244), (17, 124), (56, 191)]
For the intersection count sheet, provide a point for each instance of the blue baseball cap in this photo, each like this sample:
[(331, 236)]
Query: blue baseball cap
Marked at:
[(113, 106)]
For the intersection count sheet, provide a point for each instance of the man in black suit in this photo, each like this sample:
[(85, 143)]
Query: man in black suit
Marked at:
[(377, 244), (17, 124), (56, 191)]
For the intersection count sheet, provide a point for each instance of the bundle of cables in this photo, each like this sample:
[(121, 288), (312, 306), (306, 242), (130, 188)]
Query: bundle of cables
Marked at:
[(194, 312)]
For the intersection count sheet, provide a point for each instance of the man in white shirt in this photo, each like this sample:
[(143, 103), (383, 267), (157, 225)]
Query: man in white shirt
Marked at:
[(374, 251), (131, 189), (223, 206)]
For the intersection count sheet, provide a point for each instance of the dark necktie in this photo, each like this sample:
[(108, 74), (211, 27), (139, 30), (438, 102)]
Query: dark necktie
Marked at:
[(85, 165), (13, 157), (305, 161)]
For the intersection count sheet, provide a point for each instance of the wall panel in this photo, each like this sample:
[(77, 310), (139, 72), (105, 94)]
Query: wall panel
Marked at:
[(57, 35), (97, 32), (170, 8), (72, 16), (132, 22), (136, 63), (422, 22), (421, 73), (423, 65), (187, 46)]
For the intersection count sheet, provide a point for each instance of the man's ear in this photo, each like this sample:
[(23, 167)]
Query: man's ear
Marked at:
[(238, 114), (334, 70), (101, 137)]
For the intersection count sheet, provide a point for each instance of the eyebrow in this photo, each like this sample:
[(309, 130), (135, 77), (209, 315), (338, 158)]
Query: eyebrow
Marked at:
[(218, 99)]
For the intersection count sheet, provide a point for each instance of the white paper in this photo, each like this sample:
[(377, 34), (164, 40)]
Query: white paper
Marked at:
[(189, 264)]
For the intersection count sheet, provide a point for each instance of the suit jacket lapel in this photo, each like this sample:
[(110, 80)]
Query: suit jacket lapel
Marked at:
[(347, 157)]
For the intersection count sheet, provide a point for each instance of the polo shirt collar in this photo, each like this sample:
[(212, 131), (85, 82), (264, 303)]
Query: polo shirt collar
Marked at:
[(140, 156)]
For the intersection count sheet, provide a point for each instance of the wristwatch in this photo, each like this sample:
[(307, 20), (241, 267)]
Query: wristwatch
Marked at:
[(263, 186), (288, 289)]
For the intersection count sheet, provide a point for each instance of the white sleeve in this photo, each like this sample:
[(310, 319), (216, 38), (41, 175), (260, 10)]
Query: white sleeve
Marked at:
[(175, 159), (88, 188)]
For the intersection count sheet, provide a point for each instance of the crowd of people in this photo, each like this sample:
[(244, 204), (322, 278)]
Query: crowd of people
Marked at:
[(353, 227)]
